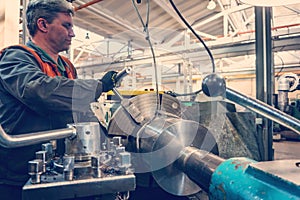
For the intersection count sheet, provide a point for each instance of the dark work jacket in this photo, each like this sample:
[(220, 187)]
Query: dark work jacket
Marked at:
[(31, 101)]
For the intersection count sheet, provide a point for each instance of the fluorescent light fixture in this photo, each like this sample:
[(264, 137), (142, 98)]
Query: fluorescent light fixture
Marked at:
[(270, 3), (211, 5)]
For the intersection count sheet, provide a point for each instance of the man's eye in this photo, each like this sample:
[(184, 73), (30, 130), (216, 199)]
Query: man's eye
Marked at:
[(67, 26)]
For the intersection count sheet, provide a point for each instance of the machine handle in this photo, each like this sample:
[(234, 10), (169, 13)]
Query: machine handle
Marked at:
[(118, 78), (122, 74), (13, 141)]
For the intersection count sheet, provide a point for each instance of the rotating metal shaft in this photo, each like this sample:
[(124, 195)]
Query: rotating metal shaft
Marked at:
[(199, 165)]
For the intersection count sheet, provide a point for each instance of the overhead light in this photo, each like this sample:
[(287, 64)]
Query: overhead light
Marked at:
[(87, 36), (270, 3), (211, 5)]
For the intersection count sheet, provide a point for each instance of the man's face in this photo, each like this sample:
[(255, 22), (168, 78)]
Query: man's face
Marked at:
[(60, 32)]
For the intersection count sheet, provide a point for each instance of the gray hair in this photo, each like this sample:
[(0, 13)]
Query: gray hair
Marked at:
[(47, 9)]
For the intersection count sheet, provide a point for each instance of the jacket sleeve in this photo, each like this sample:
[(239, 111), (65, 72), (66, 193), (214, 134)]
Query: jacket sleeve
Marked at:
[(22, 78)]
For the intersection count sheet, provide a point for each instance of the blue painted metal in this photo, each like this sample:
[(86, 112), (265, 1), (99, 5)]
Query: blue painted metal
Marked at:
[(243, 178)]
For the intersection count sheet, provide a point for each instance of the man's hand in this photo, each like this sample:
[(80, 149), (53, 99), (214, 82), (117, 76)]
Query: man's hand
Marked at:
[(108, 81)]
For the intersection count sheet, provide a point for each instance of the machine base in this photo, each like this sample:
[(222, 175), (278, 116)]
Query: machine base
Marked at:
[(58, 188)]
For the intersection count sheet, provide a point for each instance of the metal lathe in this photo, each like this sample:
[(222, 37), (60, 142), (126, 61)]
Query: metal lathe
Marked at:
[(155, 133)]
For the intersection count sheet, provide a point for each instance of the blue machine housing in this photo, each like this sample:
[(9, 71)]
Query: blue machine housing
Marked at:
[(243, 178)]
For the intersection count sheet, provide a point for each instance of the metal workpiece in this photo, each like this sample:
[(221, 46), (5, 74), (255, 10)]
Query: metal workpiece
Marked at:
[(189, 173), (199, 165), (13, 141), (243, 178), (264, 109), (157, 142), (167, 140)]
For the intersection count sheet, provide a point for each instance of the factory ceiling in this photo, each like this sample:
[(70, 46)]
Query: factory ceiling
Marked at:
[(228, 30)]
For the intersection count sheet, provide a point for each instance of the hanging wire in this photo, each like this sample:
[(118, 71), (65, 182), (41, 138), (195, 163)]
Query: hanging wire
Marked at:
[(281, 69), (146, 30), (174, 94), (196, 35)]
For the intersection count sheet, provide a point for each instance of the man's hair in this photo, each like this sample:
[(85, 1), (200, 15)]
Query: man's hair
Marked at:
[(47, 9)]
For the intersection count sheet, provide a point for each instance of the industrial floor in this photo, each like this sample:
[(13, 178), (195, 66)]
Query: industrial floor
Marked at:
[(286, 149)]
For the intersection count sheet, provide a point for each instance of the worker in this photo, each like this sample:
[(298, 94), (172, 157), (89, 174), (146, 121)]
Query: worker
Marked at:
[(39, 89)]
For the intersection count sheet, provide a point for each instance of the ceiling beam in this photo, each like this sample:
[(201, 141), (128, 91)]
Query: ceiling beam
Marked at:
[(167, 7), (197, 54), (126, 25), (221, 14)]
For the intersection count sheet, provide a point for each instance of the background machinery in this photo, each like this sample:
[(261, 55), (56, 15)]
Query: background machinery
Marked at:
[(287, 83)]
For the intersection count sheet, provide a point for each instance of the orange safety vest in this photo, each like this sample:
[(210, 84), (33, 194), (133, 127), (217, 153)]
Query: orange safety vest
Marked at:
[(49, 68)]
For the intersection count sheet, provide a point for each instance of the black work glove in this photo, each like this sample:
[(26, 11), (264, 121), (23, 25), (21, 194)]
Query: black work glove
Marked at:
[(108, 81)]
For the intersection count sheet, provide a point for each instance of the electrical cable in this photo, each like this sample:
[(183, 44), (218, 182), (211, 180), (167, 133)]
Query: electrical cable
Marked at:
[(146, 30), (158, 102), (282, 66), (174, 94), (195, 34)]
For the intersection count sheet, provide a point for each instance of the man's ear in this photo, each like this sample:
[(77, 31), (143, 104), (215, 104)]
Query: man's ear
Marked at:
[(42, 25)]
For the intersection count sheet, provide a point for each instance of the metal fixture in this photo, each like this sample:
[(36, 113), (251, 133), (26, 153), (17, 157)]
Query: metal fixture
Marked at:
[(211, 5), (84, 167)]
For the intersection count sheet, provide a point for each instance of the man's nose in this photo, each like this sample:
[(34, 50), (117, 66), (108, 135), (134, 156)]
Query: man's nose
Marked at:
[(71, 33)]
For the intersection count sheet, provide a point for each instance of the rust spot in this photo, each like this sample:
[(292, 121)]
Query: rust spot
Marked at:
[(240, 164), (236, 166)]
